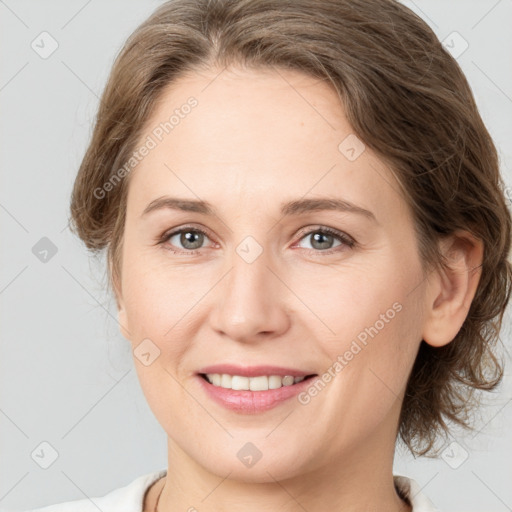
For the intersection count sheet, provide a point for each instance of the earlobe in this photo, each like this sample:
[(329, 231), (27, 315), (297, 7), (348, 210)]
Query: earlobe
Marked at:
[(451, 290), (122, 317), (123, 322), (121, 311)]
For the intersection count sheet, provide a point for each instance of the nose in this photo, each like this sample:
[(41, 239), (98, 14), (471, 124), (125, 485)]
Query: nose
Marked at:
[(250, 302)]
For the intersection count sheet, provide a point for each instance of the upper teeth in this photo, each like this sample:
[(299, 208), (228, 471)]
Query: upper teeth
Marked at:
[(260, 383)]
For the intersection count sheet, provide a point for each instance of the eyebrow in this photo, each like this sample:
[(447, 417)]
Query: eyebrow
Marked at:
[(295, 207)]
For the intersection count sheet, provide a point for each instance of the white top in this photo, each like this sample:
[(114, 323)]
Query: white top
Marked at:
[(131, 497)]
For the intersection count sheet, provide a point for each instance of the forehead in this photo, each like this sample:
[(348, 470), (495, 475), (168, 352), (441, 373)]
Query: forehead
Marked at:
[(257, 134)]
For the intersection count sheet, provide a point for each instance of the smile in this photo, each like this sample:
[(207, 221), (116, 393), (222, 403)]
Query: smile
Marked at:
[(258, 383), (252, 395)]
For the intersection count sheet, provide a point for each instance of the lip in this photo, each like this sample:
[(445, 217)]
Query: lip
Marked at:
[(253, 402), (254, 371)]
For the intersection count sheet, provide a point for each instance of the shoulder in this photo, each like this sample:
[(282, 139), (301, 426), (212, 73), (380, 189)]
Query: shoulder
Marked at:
[(123, 499), (410, 490)]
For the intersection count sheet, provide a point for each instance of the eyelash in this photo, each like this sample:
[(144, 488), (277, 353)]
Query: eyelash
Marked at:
[(342, 237)]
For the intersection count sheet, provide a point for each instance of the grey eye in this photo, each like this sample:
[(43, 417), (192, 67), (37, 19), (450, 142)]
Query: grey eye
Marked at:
[(190, 239), (320, 240)]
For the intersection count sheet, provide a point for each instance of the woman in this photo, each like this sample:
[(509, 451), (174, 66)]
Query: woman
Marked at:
[(307, 240)]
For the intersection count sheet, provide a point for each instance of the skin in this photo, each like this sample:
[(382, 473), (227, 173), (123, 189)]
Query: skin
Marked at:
[(256, 139)]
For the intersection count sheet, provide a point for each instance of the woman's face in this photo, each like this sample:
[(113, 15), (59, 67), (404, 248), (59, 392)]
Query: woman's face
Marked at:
[(266, 285)]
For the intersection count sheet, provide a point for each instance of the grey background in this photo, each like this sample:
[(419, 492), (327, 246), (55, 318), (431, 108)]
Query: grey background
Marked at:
[(67, 375)]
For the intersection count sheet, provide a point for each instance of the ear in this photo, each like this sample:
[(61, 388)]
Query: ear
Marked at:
[(121, 311), (450, 291)]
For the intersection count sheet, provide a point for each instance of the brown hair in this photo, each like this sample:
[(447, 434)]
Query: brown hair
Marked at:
[(405, 97)]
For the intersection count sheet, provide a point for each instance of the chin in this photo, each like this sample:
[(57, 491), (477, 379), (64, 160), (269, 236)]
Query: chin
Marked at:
[(267, 469)]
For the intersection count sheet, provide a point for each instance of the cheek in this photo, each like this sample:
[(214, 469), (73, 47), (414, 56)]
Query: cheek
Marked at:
[(160, 306), (377, 325), (370, 374), (153, 298), (156, 316), (353, 299)]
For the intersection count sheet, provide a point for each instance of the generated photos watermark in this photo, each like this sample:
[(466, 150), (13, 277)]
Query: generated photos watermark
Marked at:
[(344, 359), (157, 135)]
